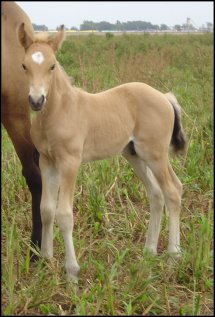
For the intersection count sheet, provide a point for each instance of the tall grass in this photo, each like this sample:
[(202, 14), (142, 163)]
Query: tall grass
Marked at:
[(111, 209)]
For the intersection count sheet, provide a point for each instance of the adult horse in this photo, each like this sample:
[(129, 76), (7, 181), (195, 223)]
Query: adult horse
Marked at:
[(15, 107)]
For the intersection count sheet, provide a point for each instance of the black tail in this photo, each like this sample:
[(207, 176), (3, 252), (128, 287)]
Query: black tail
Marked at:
[(179, 139)]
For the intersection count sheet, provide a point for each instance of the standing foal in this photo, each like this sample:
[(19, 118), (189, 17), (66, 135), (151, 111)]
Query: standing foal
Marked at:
[(73, 127)]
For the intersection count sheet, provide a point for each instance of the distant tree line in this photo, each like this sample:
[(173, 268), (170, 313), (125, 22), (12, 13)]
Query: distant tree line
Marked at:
[(39, 27), (128, 26), (121, 26)]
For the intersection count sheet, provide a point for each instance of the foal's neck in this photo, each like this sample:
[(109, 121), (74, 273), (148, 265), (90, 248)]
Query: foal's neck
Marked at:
[(60, 86), (61, 80)]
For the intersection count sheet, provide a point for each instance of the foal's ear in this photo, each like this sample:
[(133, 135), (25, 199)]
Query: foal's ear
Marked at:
[(24, 39), (57, 40)]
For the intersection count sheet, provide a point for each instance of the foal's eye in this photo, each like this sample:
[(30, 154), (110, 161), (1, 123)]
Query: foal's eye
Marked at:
[(53, 67), (24, 67)]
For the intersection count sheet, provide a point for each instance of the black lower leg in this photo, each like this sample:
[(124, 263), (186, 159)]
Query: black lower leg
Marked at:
[(34, 183)]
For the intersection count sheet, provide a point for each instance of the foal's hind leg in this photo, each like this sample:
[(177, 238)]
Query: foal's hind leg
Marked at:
[(155, 197), (174, 220), (172, 191)]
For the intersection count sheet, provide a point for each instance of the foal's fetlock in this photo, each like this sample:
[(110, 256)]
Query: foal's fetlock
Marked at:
[(174, 250), (174, 254), (46, 253), (72, 272)]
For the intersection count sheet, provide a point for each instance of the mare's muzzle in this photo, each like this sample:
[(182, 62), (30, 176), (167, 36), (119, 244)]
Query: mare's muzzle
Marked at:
[(36, 105)]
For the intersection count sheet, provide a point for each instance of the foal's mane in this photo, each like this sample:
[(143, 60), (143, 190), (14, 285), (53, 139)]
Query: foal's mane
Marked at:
[(42, 37), (69, 78)]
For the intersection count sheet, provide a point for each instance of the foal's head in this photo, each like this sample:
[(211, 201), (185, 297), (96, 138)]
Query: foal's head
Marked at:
[(39, 64)]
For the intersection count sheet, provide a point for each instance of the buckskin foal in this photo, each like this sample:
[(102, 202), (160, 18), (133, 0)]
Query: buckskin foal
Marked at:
[(15, 107), (73, 127)]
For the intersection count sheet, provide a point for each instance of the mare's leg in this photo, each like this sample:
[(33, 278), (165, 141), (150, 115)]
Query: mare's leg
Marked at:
[(171, 189), (18, 128), (67, 168), (155, 198)]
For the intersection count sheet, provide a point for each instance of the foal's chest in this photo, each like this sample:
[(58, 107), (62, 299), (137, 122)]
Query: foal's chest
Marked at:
[(41, 141), (46, 148)]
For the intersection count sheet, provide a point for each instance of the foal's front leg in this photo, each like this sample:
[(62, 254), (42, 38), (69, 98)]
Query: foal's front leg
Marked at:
[(50, 187), (68, 168)]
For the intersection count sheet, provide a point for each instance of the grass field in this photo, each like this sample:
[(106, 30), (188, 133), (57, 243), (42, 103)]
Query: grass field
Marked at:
[(111, 208)]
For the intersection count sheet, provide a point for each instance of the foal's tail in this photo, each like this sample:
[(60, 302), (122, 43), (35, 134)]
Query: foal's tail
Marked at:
[(179, 139)]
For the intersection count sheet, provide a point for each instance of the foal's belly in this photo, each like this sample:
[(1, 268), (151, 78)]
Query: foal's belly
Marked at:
[(99, 150), (108, 135)]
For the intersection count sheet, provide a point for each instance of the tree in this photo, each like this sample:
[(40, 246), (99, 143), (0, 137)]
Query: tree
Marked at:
[(118, 25), (105, 26), (74, 28), (209, 26), (164, 27), (177, 27), (39, 27), (88, 25)]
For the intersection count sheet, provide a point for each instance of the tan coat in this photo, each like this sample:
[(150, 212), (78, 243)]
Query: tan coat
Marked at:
[(73, 127)]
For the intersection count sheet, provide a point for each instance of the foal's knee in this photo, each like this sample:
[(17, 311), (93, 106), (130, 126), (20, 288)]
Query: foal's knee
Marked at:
[(65, 220), (47, 214)]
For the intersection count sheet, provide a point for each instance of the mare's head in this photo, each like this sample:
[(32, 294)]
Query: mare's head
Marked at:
[(39, 64)]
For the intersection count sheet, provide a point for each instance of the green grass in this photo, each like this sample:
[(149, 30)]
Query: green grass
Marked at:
[(111, 209)]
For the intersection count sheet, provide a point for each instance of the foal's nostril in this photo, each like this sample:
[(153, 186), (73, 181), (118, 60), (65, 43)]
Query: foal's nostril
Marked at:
[(36, 104), (41, 100), (31, 100)]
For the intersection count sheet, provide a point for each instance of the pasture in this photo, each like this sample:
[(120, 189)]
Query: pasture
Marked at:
[(111, 209)]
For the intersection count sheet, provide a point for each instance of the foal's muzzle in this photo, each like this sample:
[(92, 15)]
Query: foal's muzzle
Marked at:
[(36, 105)]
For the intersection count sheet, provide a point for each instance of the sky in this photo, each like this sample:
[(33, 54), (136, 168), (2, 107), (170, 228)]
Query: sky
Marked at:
[(73, 13)]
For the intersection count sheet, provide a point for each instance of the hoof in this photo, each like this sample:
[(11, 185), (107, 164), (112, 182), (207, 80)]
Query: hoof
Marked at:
[(34, 257), (72, 273), (174, 255), (149, 250), (174, 251)]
